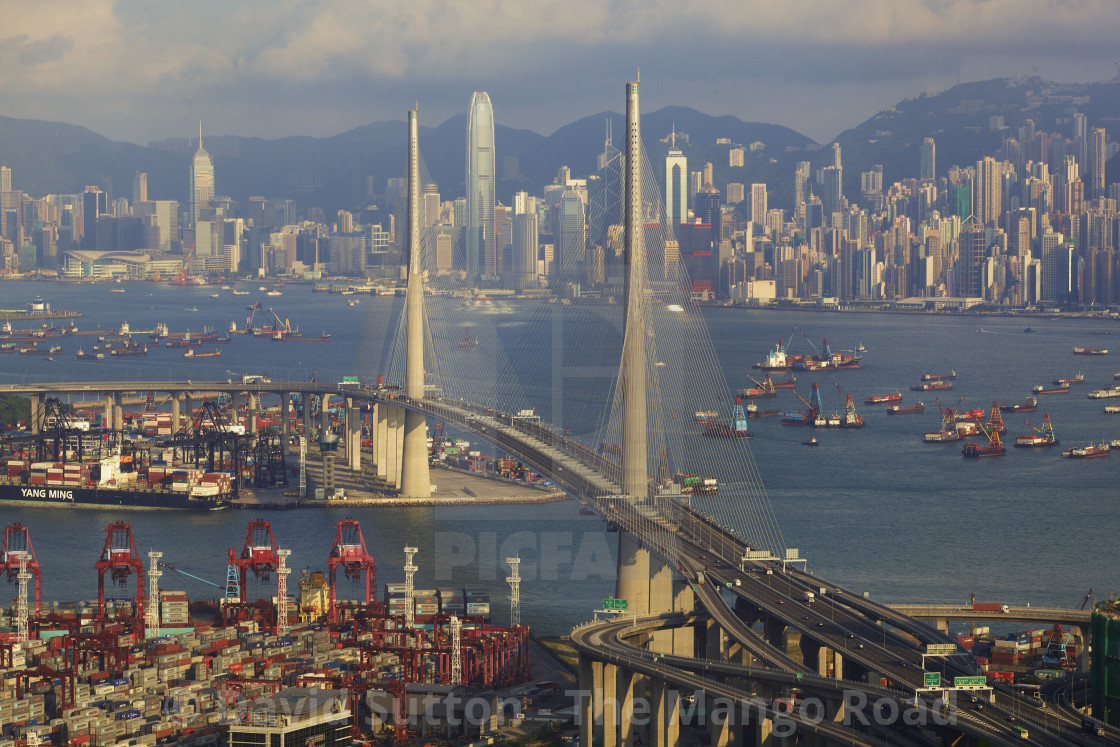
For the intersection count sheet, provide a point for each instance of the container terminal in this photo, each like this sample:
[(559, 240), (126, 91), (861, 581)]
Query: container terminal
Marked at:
[(155, 668)]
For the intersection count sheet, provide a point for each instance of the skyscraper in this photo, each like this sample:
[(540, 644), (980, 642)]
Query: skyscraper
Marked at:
[(987, 191), (139, 188), (831, 190), (481, 249), (202, 181), (676, 185), (5, 179), (929, 159), (758, 204), (1098, 152)]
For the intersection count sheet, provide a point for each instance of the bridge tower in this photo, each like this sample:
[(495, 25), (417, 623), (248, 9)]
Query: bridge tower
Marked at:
[(645, 582), (415, 480)]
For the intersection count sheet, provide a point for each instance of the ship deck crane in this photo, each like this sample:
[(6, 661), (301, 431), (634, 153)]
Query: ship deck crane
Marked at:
[(1088, 596)]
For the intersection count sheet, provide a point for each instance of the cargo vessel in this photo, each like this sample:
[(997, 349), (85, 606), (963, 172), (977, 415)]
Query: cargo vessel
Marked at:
[(1105, 393), (808, 417), (1058, 389), (1078, 379), (1030, 404), (761, 389), (736, 429), (1092, 451), (993, 448), (937, 385), (776, 359), (917, 409), (1090, 351), (1041, 437), (106, 484), (940, 377), (882, 399)]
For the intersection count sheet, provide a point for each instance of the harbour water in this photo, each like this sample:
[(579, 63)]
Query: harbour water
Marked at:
[(874, 509)]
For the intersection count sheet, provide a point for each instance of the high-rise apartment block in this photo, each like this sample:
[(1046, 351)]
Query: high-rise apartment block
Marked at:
[(758, 204), (929, 159)]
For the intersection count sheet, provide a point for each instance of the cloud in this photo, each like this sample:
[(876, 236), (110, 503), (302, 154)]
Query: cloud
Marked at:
[(274, 67)]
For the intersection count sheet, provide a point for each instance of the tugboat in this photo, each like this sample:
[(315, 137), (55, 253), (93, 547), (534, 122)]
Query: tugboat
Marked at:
[(811, 442), (994, 446), (1041, 437)]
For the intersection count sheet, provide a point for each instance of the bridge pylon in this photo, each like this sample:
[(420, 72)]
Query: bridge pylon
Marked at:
[(645, 581), (415, 480)]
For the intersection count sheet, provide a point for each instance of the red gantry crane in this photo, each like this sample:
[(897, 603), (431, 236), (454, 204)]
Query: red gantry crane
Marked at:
[(349, 552), (17, 548), (259, 554), (120, 558)]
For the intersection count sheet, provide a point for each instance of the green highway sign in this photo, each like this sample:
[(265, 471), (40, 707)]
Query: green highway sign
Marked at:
[(933, 679), (614, 604), (980, 681)]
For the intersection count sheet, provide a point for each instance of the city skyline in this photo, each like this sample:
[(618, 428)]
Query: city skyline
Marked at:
[(135, 72)]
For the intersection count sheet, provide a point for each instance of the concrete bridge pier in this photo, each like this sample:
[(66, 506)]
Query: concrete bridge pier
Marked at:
[(188, 401), (941, 624), (1083, 646), (324, 416), (626, 687), (176, 417), (118, 411), (307, 416), (381, 442), (373, 434), (35, 417), (774, 630), (107, 418), (395, 446), (353, 434), (585, 702), (665, 720), (725, 723), (285, 418)]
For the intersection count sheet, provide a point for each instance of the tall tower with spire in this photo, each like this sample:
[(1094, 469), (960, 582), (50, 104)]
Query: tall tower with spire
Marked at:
[(676, 184), (202, 180)]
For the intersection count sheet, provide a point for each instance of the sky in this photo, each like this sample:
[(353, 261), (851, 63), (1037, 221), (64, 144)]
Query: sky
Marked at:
[(140, 70)]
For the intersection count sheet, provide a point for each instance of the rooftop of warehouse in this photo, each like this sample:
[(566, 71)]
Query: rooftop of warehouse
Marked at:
[(298, 704)]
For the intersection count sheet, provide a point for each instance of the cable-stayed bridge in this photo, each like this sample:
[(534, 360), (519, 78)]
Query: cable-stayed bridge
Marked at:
[(711, 596)]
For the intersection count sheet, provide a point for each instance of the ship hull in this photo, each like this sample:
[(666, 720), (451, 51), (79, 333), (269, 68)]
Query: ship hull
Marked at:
[(74, 497)]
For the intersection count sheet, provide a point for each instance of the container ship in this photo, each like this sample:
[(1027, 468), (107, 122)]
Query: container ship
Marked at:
[(1041, 437), (1092, 451)]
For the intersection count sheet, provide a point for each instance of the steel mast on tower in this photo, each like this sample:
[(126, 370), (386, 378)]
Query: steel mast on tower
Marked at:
[(456, 651), (21, 601), (409, 580), (282, 571), (151, 613), (514, 580)]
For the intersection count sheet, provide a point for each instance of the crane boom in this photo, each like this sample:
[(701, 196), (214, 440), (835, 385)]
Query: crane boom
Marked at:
[(196, 578)]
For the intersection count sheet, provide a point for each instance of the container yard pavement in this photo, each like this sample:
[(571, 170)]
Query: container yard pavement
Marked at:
[(453, 487)]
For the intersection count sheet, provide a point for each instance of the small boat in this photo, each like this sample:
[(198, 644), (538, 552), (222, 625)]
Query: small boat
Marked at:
[(466, 343), (917, 409), (882, 399), (1105, 393), (117, 290), (1059, 389), (215, 295), (240, 293), (1030, 404), (84, 356), (940, 377), (861, 348), (137, 352), (1112, 409), (54, 349), (937, 437), (1078, 379), (703, 416), (1041, 437), (274, 293), (1087, 452), (932, 386), (811, 442), (1090, 351)]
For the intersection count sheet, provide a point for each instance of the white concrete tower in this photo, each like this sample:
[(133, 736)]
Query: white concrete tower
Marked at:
[(415, 479)]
